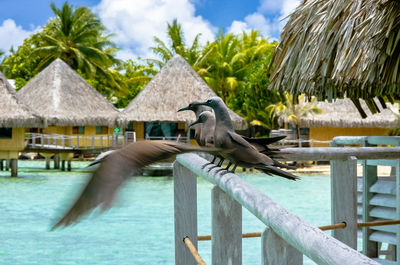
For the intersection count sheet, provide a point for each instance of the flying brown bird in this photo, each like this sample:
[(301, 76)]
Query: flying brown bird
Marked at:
[(243, 153), (115, 169)]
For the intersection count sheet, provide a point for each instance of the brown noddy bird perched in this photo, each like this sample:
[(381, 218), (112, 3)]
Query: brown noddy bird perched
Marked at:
[(243, 153), (259, 143), (115, 169), (197, 109)]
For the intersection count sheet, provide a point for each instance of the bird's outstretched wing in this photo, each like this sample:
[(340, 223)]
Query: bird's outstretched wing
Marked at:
[(116, 168)]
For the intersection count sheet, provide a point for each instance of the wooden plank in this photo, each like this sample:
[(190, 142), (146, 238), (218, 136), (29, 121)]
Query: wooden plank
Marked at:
[(383, 212), (309, 240), (276, 251), (385, 200), (385, 262), (384, 187), (340, 153), (359, 198), (370, 177), (226, 229), (344, 199), (381, 162), (397, 188), (347, 140), (383, 237), (383, 140), (185, 213), (359, 185)]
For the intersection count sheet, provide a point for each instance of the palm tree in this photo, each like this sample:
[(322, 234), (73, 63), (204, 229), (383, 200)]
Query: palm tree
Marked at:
[(290, 113), (225, 64), (78, 37), (193, 54)]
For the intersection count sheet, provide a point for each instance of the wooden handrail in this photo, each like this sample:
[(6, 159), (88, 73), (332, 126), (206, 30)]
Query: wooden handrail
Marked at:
[(309, 240)]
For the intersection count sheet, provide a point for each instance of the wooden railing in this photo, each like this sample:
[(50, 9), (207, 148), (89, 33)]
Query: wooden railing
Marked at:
[(286, 236), (72, 142)]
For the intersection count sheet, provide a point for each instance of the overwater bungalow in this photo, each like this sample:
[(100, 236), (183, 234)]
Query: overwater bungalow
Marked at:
[(153, 112), (341, 118), (15, 116), (69, 105)]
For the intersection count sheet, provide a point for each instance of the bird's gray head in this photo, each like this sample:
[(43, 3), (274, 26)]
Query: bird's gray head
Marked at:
[(192, 106), (212, 102), (203, 117)]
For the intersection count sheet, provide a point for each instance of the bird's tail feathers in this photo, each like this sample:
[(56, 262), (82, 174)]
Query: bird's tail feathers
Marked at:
[(271, 170)]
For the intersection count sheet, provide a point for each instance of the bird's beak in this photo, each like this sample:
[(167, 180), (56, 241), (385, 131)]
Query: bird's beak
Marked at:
[(183, 109), (194, 123)]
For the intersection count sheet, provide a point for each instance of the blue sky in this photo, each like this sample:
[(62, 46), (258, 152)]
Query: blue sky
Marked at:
[(135, 22)]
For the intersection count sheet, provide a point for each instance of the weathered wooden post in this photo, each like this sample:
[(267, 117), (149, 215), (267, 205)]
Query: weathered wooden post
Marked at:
[(185, 212), (63, 165), (226, 234), (7, 164), (1, 164), (14, 167), (344, 199), (276, 251), (56, 161), (47, 158), (69, 165)]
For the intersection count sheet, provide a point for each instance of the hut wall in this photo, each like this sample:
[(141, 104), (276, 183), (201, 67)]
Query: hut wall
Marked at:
[(327, 133), (138, 127), (89, 135), (9, 148)]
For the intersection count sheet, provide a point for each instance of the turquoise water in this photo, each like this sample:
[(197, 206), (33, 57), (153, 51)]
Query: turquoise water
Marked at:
[(139, 229)]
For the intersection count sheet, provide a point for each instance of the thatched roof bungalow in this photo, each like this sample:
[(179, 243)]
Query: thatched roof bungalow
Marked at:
[(174, 87), (341, 118), (68, 103), (337, 48), (14, 117)]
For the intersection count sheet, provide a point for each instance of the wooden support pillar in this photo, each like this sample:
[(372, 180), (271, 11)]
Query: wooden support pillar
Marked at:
[(63, 165), (47, 162), (56, 161), (370, 176), (226, 231), (69, 165), (14, 167), (1, 164), (397, 246), (7, 164), (185, 213), (344, 199), (276, 251)]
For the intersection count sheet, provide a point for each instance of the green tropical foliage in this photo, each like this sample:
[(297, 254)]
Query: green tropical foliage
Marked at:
[(77, 36), (20, 65), (290, 112), (136, 77), (193, 54)]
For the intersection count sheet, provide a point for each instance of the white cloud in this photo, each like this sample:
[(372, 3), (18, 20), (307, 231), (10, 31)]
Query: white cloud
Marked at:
[(136, 22), (268, 19), (12, 35)]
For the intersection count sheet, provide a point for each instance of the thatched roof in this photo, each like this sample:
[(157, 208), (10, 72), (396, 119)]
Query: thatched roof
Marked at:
[(337, 48), (64, 98), (13, 112), (174, 87), (343, 113)]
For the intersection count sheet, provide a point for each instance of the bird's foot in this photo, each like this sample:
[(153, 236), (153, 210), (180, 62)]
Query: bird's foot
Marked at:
[(206, 164), (211, 168)]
